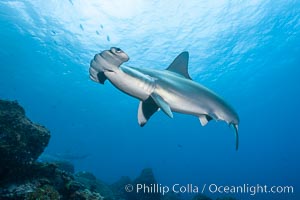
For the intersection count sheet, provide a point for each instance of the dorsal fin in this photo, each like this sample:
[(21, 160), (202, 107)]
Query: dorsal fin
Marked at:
[(180, 65)]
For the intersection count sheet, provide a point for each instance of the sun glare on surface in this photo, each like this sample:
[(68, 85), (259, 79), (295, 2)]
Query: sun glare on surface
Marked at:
[(121, 9)]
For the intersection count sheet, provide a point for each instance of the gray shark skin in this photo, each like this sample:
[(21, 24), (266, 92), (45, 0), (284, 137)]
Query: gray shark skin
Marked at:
[(171, 90)]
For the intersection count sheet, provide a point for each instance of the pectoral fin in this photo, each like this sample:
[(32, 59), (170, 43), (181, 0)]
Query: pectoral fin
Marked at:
[(204, 119), (146, 109), (161, 103)]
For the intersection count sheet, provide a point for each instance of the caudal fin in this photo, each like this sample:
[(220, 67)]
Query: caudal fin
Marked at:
[(236, 127)]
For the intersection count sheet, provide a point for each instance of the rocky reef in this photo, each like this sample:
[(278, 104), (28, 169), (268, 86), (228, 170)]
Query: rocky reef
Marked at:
[(21, 141), (22, 176)]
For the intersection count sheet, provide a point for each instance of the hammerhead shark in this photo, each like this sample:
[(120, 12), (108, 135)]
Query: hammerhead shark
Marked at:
[(171, 90)]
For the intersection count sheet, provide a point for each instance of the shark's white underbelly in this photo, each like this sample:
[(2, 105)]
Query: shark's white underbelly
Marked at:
[(138, 87), (182, 104), (182, 95)]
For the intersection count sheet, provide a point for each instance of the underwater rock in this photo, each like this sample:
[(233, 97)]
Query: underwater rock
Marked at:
[(147, 178), (21, 176), (21, 141), (17, 191), (65, 166), (171, 196), (61, 164), (44, 192), (118, 188), (47, 181), (201, 197), (94, 185), (86, 175), (226, 198), (79, 191), (116, 191), (86, 195), (38, 180)]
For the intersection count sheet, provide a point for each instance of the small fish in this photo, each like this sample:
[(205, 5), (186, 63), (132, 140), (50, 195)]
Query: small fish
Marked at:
[(81, 27)]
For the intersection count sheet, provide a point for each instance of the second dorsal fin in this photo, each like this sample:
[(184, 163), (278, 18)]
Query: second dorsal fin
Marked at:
[(180, 65)]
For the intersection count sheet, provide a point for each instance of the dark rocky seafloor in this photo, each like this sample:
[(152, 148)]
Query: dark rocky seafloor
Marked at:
[(23, 177)]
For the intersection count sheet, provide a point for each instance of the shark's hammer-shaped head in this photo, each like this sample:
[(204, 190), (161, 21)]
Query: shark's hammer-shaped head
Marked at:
[(108, 60)]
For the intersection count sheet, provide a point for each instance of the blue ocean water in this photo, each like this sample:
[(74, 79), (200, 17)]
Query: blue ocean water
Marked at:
[(246, 51)]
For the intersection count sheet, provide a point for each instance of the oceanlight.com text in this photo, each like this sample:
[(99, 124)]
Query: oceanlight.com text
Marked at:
[(250, 189)]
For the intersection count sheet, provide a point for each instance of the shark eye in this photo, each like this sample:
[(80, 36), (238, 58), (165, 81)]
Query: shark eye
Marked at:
[(118, 50)]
